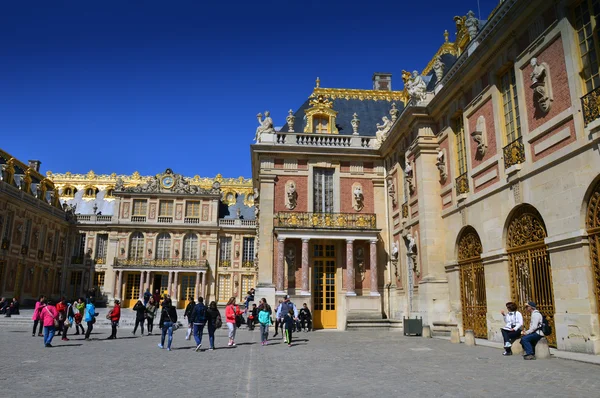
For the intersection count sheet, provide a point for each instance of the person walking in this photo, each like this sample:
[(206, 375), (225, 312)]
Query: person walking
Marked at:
[(283, 310), (36, 316), (140, 316), (69, 320), (231, 311), (61, 307), (147, 296), (115, 317), (513, 325), (198, 318), (48, 317), (264, 320), (289, 322), (79, 313), (189, 309), (90, 317), (278, 321), (156, 297), (168, 317), (532, 335), (151, 310), (213, 322)]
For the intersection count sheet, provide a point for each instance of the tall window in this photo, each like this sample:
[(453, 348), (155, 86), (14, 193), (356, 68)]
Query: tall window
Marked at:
[(101, 246), (8, 226), (190, 247), (192, 209), (80, 246), (461, 147), (99, 279), (323, 190), (139, 207), (27, 233), (163, 246), (587, 14), (248, 253), (165, 208), (320, 124), (225, 251), (136, 246), (512, 125)]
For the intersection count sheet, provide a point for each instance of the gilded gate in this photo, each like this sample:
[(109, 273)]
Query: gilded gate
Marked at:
[(472, 283), (593, 230), (529, 264)]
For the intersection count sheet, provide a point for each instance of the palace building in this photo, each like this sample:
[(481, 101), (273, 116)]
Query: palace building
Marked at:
[(477, 184), (183, 236)]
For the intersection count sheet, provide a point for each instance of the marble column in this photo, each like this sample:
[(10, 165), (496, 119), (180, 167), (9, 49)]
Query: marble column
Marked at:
[(169, 283), (142, 274), (280, 268), (304, 290), (203, 285), (197, 287), (120, 285), (373, 261), (115, 281), (149, 281), (175, 281), (350, 282)]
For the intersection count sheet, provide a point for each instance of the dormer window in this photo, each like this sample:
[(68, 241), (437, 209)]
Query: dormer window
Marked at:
[(320, 124), (90, 192), (69, 192), (320, 117)]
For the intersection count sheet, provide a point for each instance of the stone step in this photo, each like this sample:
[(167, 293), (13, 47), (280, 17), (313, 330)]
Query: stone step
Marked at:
[(379, 324)]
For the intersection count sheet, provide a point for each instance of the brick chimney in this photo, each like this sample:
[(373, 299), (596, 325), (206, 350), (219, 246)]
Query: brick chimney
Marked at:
[(35, 165), (382, 81)]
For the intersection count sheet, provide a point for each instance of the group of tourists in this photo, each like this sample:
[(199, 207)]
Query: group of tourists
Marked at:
[(513, 329), (9, 307)]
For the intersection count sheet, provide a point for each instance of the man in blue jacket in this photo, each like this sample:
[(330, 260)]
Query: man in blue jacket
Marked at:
[(198, 318)]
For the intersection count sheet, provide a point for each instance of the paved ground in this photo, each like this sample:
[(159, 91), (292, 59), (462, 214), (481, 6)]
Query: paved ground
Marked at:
[(320, 364)]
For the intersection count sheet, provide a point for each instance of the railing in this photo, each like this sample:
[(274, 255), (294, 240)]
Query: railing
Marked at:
[(138, 218), (590, 103), (248, 264), (163, 220), (462, 184), (84, 217), (100, 260), (166, 262), (325, 140), (191, 220), (103, 218), (236, 222), (224, 263), (405, 210), (325, 220), (514, 153), (93, 218)]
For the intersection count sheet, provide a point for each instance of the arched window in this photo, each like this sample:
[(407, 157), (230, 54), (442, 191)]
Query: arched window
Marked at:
[(136, 246), (190, 247), (110, 192), (163, 246)]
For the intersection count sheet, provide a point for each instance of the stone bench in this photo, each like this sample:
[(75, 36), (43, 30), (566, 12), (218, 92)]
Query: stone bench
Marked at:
[(542, 349)]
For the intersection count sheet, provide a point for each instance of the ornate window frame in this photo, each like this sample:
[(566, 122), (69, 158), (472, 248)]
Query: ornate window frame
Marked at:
[(321, 107)]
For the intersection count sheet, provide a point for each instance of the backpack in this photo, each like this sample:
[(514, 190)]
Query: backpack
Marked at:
[(545, 326), (199, 314)]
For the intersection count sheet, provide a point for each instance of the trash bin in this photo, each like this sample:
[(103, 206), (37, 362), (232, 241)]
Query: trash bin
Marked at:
[(413, 326)]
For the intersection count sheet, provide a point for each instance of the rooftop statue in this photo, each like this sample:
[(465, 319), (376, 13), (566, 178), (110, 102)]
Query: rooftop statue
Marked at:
[(438, 68), (383, 130), (417, 89), (472, 25), (265, 125)]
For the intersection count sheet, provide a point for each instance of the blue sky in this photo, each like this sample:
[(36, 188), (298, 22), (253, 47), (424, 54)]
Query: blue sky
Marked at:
[(120, 86)]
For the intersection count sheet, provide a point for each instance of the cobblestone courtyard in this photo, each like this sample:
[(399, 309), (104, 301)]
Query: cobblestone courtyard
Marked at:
[(320, 364)]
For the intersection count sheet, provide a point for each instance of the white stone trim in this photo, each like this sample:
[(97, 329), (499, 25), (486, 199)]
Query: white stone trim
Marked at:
[(567, 241), (324, 234), (446, 199), (479, 181), (550, 124), (554, 140)]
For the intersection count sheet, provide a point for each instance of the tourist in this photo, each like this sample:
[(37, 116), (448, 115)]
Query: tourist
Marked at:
[(13, 308), (282, 311), (198, 319), (69, 320), (513, 325), (151, 310), (532, 335), (147, 296), (278, 322), (289, 325), (90, 317), (189, 309), (248, 299), (231, 312), (3, 305), (156, 297), (140, 316), (48, 316), (36, 316), (305, 318), (252, 317), (168, 317), (78, 317), (264, 319), (214, 322), (114, 316), (61, 307)]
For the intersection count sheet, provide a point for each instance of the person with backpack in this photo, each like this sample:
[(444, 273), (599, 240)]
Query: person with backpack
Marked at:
[(264, 320), (198, 320), (232, 311), (214, 322), (283, 309), (168, 320), (532, 335), (78, 317), (189, 309), (90, 317), (513, 325), (49, 318)]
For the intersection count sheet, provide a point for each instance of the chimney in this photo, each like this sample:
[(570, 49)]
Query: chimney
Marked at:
[(382, 81), (35, 165)]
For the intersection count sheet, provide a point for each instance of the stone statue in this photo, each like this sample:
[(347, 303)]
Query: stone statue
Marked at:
[(383, 130), (408, 172), (438, 68), (395, 250), (411, 251), (265, 126), (392, 191), (290, 256), (289, 120), (291, 196), (540, 83), (355, 124), (472, 25), (417, 89), (119, 185), (480, 136), (394, 112), (358, 198), (441, 165)]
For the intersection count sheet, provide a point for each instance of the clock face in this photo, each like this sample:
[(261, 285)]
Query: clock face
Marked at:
[(168, 182)]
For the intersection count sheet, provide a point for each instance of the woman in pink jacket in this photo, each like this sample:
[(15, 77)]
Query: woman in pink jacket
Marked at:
[(36, 316), (48, 314), (231, 310)]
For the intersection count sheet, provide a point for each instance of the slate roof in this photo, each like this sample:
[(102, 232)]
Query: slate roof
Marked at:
[(247, 213)]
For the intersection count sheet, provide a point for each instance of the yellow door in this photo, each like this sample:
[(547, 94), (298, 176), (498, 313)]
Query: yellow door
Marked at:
[(132, 290), (187, 290), (324, 301)]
